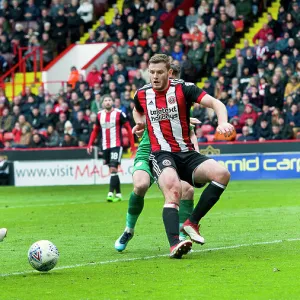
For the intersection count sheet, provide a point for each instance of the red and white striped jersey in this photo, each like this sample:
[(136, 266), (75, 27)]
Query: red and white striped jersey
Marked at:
[(167, 114), (110, 124)]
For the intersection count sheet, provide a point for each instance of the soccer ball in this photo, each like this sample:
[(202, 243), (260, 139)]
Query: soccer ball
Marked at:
[(43, 256)]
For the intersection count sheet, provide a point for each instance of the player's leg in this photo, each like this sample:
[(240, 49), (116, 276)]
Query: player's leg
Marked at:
[(115, 161), (3, 233), (218, 178), (186, 205), (164, 170), (141, 183)]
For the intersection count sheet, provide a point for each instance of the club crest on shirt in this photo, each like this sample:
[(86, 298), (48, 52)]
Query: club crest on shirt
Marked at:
[(166, 162), (171, 100)]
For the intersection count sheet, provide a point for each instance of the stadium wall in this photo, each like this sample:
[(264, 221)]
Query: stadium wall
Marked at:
[(254, 166), (206, 149), (79, 56)]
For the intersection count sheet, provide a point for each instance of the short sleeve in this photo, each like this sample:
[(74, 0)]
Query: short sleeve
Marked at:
[(137, 103), (192, 93)]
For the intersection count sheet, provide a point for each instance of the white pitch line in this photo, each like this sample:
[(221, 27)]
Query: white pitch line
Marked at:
[(153, 256)]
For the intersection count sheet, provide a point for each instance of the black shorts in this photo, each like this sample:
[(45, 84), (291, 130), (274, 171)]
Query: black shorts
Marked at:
[(112, 156), (184, 163)]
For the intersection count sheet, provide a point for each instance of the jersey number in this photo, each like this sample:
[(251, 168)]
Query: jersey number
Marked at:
[(114, 155)]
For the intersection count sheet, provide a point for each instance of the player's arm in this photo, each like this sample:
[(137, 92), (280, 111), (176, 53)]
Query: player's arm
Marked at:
[(194, 140), (126, 124), (195, 94), (220, 109), (93, 136), (139, 117)]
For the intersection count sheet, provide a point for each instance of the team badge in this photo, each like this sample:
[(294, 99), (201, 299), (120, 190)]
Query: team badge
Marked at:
[(171, 100), (166, 162)]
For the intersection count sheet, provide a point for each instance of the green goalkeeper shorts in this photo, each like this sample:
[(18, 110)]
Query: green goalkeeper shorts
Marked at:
[(143, 165)]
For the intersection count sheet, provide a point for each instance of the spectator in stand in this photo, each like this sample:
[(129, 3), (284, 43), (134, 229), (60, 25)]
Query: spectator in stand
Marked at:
[(74, 23), (25, 137), (138, 81), (244, 10), (232, 109), (60, 35), (292, 86), (225, 30), (55, 7), (180, 22), (85, 11), (201, 9), (293, 118), (248, 113), (37, 120), (94, 76), (200, 137), (263, 131), (52, 137), (261, 49), (31, 11), (60, 125), (177, 53), (275, 133), (17, 132), (74, 77), (48, 48), (96, 104), (273, 98), (69, 141), (212, 51), (246, 47), (230, 9), (6, 121), (81, 127), (246, 136), (286, 130), (36, 141), (262, 34), (191, 19)]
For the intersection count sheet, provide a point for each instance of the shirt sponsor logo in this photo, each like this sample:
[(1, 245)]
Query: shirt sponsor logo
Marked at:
[(164, 114)]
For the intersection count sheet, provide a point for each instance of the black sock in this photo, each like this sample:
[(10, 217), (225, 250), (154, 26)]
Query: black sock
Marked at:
[(208, 199), (114, 183), (171, 221)]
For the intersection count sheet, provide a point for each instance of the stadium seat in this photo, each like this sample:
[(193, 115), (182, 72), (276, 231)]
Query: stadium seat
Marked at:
[(8, 136), (206, 129), (210, 137), (239, 25), (131, 74)]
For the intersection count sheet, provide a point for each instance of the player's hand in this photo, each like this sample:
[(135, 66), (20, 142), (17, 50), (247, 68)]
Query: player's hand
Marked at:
[(89, 149), (225, 128), (195, 121), (138, 129)]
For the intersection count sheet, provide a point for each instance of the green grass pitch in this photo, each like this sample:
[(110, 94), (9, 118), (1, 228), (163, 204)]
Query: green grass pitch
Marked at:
[(252, 248)]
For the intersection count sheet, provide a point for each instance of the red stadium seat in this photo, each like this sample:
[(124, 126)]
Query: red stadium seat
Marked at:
[(206, 129), (131, 74), (8, 136), (210, 137), (239, 25)]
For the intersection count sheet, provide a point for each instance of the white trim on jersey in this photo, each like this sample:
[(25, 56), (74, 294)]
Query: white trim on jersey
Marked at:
[(175, 123), (113, 129), (150, 97), (102, 121), (120, 154)]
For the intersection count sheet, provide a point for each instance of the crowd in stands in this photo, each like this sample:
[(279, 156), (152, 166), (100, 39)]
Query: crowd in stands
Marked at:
[(259, 86), (51, 25)]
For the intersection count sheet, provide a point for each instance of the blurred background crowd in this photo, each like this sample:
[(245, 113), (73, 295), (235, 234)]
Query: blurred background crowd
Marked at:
[(259, 86)]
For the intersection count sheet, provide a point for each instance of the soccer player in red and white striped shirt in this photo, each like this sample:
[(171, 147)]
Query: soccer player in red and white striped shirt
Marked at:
[(109, 123), (166, 104)]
